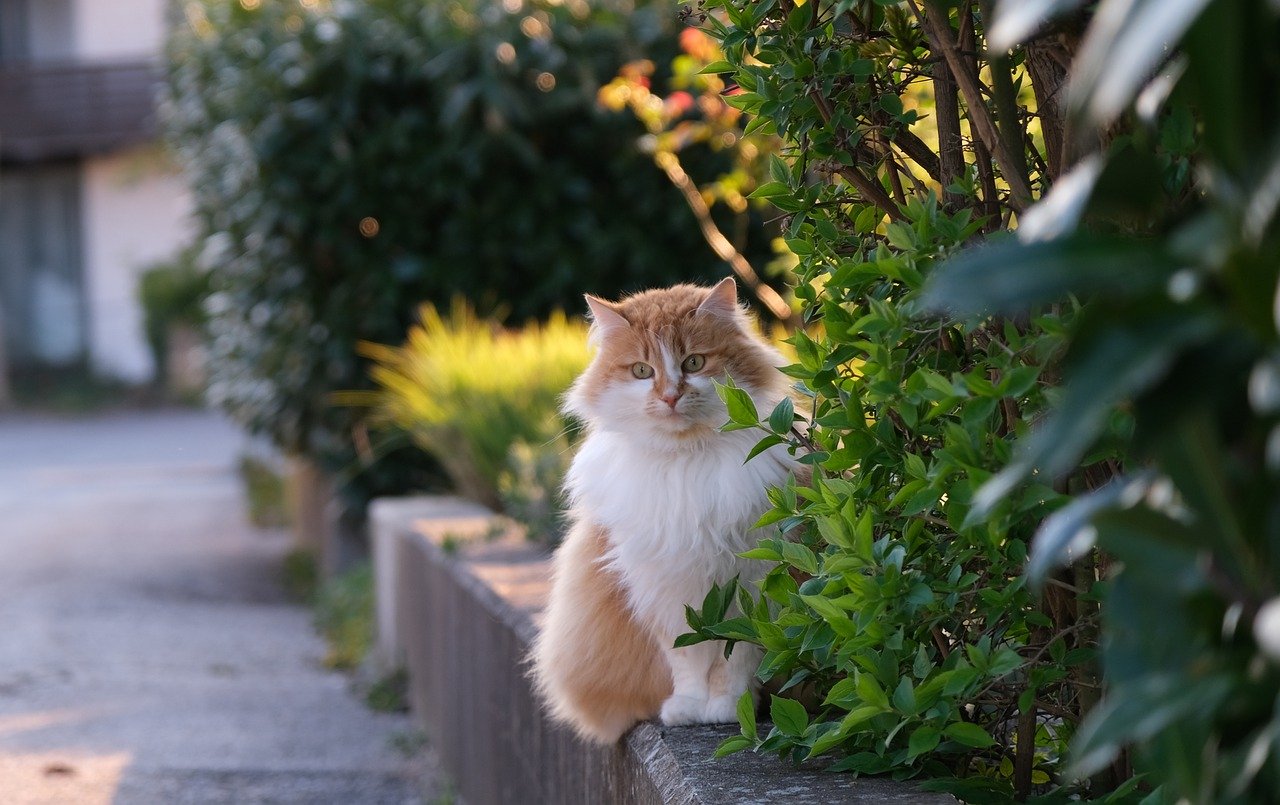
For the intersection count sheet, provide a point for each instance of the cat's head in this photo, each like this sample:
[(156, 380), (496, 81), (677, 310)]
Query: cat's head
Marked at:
[(659, 355)]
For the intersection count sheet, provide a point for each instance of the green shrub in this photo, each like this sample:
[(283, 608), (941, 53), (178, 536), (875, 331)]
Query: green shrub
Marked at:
[(351, 161), (171, 292), (468, 391), (1151, 260), (1181, 334), (905, 617)]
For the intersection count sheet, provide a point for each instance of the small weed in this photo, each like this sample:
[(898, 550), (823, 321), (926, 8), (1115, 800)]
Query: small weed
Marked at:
[(390, 694), (344, 615), (300, 576), (408, 743), (264, 493)]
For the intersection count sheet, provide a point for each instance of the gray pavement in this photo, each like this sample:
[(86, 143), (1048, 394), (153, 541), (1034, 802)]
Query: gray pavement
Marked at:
[(147, 651)]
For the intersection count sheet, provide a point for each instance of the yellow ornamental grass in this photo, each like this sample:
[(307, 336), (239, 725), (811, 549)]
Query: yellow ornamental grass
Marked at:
[(466, 390)]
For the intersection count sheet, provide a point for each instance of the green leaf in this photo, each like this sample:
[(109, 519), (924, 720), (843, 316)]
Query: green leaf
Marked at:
[(782, 417), (1067, 534), (1116, 59), (1136, 711), (717, 67), (870, 692), (734, 743), (770, 190), (1121, 361), (788, 716), (963, 732), (800, 556), (1006, 277), (747, 714), (904, 697), (763, 445), (742, 409), (1015, 22), (923, 739)]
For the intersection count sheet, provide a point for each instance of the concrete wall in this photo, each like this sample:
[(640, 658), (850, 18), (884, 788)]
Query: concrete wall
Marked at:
[(135, 211), (462, 619)]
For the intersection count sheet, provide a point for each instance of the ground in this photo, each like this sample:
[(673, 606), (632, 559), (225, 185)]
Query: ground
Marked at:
[(149, 653)]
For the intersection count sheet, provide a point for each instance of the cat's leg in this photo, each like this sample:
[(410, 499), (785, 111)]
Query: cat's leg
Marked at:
[(690, 675), (728, 681)]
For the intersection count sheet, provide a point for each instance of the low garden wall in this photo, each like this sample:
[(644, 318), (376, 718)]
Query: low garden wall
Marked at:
[(458, 605)]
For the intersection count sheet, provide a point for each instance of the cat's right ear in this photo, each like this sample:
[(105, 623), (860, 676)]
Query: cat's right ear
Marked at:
[(604, 315)]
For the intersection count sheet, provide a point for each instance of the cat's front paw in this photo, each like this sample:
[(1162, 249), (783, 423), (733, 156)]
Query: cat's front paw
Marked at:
[(679, 709), (721, 710)]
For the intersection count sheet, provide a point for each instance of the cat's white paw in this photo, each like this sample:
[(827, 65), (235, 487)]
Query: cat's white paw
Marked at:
[(721, 710), (682, 710)]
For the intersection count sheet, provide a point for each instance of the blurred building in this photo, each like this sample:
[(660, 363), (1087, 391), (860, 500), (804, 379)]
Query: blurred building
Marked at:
[(87, 196)]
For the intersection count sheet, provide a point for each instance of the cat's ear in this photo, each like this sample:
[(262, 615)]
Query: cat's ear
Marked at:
[(604, 315), (723, 299)]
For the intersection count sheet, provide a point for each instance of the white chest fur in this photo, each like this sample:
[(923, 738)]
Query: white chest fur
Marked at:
[(675, 519)]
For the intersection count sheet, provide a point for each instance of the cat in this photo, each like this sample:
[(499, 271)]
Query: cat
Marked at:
[(661, 502)]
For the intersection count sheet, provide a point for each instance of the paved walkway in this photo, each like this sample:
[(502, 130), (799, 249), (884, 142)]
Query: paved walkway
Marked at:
[(147, 652)]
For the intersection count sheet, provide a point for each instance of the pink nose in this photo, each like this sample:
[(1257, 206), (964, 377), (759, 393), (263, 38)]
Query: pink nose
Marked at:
[(671, 399)]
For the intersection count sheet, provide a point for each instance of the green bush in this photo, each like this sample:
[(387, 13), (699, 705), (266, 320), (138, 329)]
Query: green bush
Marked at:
[(1115, 363), (351, 161), (1182, 334), (903, 616), (171, 292), (469, 392)]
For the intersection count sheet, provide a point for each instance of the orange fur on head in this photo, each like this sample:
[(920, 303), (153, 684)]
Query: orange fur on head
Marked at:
[(688, 319)]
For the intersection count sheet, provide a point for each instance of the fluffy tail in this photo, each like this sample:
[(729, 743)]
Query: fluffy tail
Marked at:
[(596, 668)]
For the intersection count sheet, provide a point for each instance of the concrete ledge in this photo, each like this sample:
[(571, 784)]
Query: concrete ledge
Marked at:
[(462, 620)]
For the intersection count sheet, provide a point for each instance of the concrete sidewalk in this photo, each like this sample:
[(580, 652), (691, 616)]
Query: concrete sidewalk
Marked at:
[(148, 654)]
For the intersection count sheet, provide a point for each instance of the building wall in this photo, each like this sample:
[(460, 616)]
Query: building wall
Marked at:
[(118, 29), (51, 34), (136, 211)]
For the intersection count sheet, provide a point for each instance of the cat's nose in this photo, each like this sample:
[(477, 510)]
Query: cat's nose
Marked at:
[(671, 398)]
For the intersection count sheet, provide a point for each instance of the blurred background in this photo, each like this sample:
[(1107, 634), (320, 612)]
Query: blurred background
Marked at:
[(262, 261)]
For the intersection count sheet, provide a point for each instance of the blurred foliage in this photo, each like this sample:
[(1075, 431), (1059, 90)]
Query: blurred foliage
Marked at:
[(351, 160), (1181, 334), (300, 576), (264, 493), (345, 616), (172, 292), (903, 619), (470, 393), (529, 488)]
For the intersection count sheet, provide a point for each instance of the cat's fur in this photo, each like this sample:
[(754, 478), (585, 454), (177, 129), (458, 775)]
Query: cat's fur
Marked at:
[(662, 502)]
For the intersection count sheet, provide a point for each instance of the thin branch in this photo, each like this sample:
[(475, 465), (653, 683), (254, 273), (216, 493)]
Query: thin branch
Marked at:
[(947, 117), (778, 306), (979, 115), (869, 188)]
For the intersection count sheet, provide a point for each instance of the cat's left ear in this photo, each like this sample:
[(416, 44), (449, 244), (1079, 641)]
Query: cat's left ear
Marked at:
[(723, 299), (604, 315)]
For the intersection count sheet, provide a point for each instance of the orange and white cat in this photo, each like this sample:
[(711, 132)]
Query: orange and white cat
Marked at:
[(662, 503)]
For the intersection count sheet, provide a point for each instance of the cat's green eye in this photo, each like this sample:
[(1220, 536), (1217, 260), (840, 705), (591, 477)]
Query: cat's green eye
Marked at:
[(694, 363), (641, 370)]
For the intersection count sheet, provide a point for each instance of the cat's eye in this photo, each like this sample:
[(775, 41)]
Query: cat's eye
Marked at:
[(694, 363), (641, 370)]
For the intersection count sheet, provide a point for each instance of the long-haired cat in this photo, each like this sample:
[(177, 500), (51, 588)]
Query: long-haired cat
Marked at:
[(662, 503)]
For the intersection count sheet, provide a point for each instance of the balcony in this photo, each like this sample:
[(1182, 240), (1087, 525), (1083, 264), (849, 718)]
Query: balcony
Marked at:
[(67, 110)]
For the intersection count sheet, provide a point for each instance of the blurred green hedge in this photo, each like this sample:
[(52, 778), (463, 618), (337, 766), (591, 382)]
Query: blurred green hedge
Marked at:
[(350, 161)]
